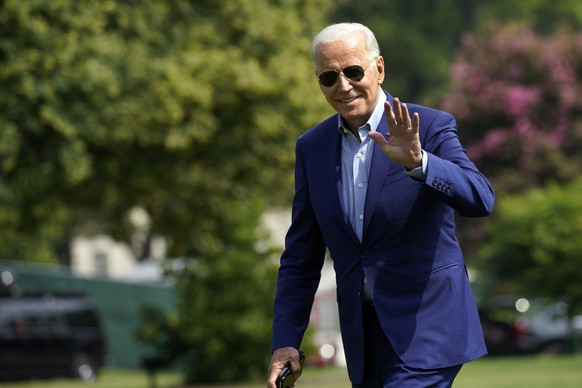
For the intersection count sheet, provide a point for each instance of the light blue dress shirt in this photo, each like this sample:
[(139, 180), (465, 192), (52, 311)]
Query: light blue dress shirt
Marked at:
[(356, 159)]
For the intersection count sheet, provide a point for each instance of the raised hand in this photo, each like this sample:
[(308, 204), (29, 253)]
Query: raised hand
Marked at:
[(402, 145)]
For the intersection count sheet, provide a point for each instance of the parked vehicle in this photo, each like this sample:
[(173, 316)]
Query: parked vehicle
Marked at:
[(499, 334), (498, 323), (45, 336), (547, 328), (518, 325)]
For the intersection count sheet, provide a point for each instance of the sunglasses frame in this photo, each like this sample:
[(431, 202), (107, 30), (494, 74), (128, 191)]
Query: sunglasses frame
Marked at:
[(360, 73)]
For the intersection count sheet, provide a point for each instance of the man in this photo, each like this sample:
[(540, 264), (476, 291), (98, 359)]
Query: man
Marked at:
[(378, 185)]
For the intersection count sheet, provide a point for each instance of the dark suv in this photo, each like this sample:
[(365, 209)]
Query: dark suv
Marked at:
[(44, 336)]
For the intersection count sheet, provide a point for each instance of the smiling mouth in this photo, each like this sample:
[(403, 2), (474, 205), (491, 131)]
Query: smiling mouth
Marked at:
[(348, 100)]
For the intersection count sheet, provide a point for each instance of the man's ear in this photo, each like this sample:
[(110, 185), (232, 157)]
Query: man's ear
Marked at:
[(381, 69)]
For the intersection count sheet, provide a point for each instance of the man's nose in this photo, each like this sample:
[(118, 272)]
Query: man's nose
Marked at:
[(343, 82)]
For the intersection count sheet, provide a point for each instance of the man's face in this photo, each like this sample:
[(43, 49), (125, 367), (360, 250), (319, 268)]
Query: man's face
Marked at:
[(353, 100)]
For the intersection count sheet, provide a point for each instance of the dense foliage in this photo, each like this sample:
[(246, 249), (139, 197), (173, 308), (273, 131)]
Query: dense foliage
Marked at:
[(180, 108), (221, 328), (534, 245)]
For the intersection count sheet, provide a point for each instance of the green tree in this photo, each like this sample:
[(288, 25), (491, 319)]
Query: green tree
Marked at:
[(534, 246), (181, 108), (221, 328), (189, 110), (545, 16)]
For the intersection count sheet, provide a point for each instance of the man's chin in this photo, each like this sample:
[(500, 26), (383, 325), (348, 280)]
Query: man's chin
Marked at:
[(353, 117)]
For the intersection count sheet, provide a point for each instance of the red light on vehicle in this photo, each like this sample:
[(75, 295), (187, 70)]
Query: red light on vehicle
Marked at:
[(18, 326), (520, 329)]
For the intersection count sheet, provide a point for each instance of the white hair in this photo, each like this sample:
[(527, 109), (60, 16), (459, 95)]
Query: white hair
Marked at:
[(345, 31)]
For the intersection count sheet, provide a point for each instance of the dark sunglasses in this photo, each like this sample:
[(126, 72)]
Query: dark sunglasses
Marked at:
[(354, 72)]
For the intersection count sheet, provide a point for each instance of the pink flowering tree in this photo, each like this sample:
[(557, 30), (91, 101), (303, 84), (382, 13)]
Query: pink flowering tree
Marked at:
[(517, 97)]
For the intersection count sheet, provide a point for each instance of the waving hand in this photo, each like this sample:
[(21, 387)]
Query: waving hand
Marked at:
[(402, 145)]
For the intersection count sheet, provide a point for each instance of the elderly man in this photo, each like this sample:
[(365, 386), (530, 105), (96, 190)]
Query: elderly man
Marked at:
[(378, 185)]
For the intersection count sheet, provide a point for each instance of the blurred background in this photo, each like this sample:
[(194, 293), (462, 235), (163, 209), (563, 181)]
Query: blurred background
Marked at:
[(146, 173)]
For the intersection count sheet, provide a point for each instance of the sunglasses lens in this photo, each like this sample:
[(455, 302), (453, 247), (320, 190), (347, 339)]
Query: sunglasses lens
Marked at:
[(328, 78), (355, 73)]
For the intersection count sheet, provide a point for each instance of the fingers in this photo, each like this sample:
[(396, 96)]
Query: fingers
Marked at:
[(405, 117), (378, 138), (415, 121), (392, 114), (400, 116), (278, 360)]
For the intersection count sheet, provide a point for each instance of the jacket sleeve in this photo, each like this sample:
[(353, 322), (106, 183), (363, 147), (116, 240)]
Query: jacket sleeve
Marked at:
[(300, 267), (450, 173)]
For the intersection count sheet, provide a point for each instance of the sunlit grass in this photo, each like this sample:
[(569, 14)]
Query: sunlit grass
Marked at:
[(516, 372), (108, 378)]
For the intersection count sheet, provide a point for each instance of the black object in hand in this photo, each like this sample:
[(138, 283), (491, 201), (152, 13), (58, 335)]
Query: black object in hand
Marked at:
[(285, 379)]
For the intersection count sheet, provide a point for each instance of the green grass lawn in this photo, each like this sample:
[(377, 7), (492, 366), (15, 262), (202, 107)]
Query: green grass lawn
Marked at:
[(500, 372), (516, 372), (510, 372), (107, 378)]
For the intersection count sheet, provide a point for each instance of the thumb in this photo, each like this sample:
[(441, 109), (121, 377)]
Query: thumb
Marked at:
[(378, 137)]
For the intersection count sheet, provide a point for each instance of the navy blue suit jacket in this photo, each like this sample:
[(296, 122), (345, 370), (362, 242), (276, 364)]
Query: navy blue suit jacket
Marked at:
[(409, 254)]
